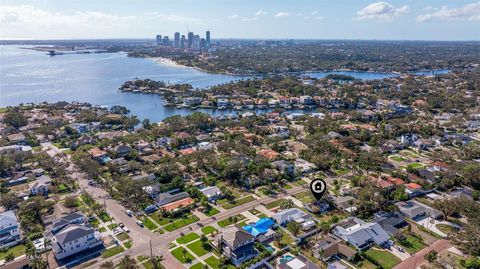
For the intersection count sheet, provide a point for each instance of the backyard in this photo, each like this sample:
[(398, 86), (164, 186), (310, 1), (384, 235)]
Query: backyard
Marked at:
[(383, 257)]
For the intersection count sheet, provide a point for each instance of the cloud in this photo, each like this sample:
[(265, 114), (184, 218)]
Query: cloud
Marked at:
[(234, 16), (26, 21), (314, 12), (281, 14), (260, 12), (469, 12), (237, 17), (382, 11)]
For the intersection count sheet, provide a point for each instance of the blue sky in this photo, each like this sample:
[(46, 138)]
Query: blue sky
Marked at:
[(315, 19)]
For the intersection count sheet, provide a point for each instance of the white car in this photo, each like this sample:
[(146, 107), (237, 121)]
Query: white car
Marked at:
[(129, 213)]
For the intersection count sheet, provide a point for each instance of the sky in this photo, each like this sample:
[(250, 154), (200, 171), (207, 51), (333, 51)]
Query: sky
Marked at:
[(264, 19)]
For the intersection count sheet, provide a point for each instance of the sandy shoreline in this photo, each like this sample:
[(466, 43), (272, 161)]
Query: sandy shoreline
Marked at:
[(166, 61)]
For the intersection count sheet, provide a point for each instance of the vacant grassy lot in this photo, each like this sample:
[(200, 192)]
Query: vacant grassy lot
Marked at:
[(212, 211), (274, 204), (123, 236), (448, 229), (383, 257), (182, 255), (231, 220), (197, 266), (187, 238), (241, 201), (412, 244), (208, 230), (180, 223)]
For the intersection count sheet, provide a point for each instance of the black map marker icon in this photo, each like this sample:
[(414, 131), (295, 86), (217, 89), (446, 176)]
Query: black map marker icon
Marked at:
[(318, 187)]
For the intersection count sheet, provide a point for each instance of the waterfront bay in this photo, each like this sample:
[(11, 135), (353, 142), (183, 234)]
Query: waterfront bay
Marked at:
[(32, 76)]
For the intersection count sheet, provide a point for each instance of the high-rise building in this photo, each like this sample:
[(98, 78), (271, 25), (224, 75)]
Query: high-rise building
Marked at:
[(166, 41), (203, 43), (190, 40), (182, 42), (176, 40), (196, 42), (159, 39), (207, 35)]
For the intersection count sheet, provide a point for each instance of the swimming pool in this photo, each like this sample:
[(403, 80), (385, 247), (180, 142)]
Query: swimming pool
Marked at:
[(286, 258)]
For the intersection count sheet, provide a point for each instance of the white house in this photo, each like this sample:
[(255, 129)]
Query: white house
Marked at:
[(72, 234), (361, 234), (73, 239), (40, 185), (9, 229), (212, 193)]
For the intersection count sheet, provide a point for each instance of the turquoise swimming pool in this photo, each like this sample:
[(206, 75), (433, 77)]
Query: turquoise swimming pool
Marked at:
[(286, 258)]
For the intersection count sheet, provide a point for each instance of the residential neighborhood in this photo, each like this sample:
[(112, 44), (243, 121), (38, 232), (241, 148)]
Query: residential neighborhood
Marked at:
[(85, 186)]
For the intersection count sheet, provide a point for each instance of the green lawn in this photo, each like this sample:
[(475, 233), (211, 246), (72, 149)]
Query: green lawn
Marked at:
[(182, 256), (261, 215), (397, 158), (102, 229), (197, 266), (286, 238), (383, 257), (274, 204), (238, 202), (104, 216), (213, 262), (231, 220), (180, 223), (149, 224), (412, 244), (112, 251), (208, 230), (123, 236), (128, 244), (112, 226), (212, 211), (197, 248), (187, 238), (415, 165), (17, 250)]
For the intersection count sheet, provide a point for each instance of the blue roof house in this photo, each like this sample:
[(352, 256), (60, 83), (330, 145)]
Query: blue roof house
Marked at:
[(261, 229)]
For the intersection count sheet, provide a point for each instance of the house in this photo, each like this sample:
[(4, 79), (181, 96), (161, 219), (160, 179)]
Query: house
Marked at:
[(150, 158), (236, 244), (17, 138), (331, 247), (302, 166), (144, 177), (212, 193), (261, 229), (269, 154), (9, 230), (346, 203), (284, 167), (292, 214), (413, 189), (170, 201), (99, 155), (416, 210), (391, 222), (408, 139), (71, 235), (12, 148), (40, 185), (205, 145), (123, 150), (360, 234)]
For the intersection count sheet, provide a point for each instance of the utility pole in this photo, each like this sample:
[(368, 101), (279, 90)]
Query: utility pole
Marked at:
[(151, 251)]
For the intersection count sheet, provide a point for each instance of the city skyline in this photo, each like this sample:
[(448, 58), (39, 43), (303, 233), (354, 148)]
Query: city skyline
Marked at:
[(345, 19)]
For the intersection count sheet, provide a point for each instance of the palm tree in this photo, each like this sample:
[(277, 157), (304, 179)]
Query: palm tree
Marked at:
[(127, 262), (157, 261), (285, 204)]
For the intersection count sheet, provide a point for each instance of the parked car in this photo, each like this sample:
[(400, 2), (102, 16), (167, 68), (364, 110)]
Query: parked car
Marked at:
[(139, 223), (128, 212)]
